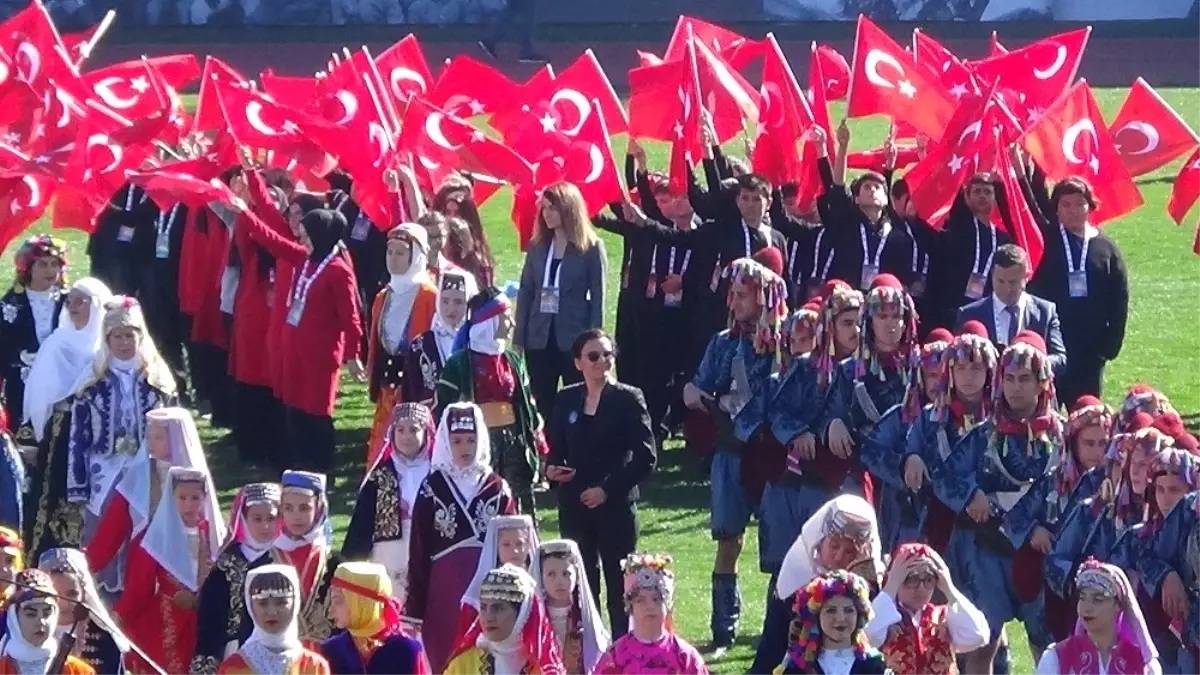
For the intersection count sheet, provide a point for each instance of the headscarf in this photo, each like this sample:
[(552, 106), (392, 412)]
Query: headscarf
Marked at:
[(307, 483), (166, 538), (1176, 462), (1112, 582), (489, 558), (850, 516), (532, 635), (1141, 398), (886, 290), (183, 449), (478, 332), (840, 298), (771, 301), (931, 355), (39, 246), (73, 563), (65, 358), (418, 250), (253, 494), (273, 652), (1128, 506), (444, 333), (35, 586), (367, 588), (971, 345), (806, 628), (463, 418), (808, 316), (1028, 350), (595, 637), (1088, 412), (123, 311), (406, 412), (324, 229)]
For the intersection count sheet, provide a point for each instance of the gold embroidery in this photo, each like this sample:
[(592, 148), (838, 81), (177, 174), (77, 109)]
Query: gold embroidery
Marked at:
[(234, 567), (203, 665), (387, 503), (170, 632)]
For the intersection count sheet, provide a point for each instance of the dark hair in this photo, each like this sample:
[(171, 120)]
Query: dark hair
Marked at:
[(457, 231), (867, 177), (468, 211), (1009, 255), (1073, 185), (585, 337), (981, 178), (789, 190), (280, 178), (752, 182), (325, 229), (900, 189), (339, 180)]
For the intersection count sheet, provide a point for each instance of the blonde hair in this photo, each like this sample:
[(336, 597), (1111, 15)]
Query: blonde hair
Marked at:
[(568, 201)]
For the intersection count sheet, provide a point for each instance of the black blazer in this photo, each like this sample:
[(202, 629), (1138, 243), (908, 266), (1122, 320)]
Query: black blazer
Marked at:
[(1039, 316), (614, 450)]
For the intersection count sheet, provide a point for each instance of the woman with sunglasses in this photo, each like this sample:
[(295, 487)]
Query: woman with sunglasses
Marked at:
[(601, 447)]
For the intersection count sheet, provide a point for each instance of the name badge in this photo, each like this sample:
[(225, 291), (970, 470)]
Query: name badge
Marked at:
[(362, 227), (917, 289), (549, 301), (673, 299), (1077, 285), (716, 278), (162, 245), (869, 272), (295, 312), (975, 286), (125, 234)]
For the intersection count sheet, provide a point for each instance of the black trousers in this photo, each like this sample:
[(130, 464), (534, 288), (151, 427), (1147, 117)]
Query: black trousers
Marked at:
[(310, 441), (546, 368), (1085, 375), (605, 534), (255, 426), (210, 377), (169, 326), (519, 14)]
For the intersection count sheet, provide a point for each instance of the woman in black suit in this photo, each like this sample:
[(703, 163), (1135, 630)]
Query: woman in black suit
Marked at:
[(601, 447)]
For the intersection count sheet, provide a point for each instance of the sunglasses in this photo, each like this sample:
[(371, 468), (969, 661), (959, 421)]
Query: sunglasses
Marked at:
[(926, 581), (596, 356)]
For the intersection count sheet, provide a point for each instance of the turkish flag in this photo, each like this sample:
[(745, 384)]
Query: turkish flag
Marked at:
[(1148, 133), (659, 100), (785, 116), (538, 79), (33, 45), (886, 81), (994, 46), (467, 88), (446, 139), (256, 120), (23, 199), (811, 186), (404, 69), (188, 182), (301, 93), (954, 74), (567, 97), (724, 94), (1022, 225), (1186, 189), (1070, 139), (836, 70), (738, 50), (129, 89), (1039, 72), (208, 115)]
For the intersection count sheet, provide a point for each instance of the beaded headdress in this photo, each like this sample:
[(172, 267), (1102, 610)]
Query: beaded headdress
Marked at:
[(1096, 575), (650, 571), (929, 356), (806, 628), (771, 300), (841, 298), (507, 583), (460, 421), (31, 584), (971, 345)]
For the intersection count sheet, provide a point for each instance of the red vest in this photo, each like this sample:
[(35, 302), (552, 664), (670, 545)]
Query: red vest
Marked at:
[(1078, 656), (924, 648)]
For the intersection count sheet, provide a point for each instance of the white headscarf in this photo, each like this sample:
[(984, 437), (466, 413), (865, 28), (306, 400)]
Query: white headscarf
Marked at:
[(309, 483), (125, 311), (65, 357), (483, 337), (183, 449), (404, 287), (595, 637), (467, 479), (17, 647), (273, 652), (509, 653), (489, 559), (166, 538), (73, 562), (800, 565)]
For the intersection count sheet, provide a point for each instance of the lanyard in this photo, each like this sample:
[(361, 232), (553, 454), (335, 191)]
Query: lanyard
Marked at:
[(883, 237), (978, 239), (304, 281), (165, 220), (547, 282), (129, 198), (917, 253), (817, 257), (1088, 233), (746, 234), (687, 258)]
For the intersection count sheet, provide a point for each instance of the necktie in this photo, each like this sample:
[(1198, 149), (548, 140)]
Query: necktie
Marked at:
[(1012, 323)]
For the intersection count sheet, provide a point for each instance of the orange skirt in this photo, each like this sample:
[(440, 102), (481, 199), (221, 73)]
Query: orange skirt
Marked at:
[(383, 413)]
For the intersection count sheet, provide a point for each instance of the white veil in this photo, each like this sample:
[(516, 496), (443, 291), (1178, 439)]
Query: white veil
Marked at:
[(596, 638)]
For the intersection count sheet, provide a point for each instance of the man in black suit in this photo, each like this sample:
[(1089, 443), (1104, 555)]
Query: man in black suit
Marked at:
[(1008, 310)]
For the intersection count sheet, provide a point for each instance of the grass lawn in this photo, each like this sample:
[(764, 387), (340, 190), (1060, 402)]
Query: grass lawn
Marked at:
[(1162, 347)]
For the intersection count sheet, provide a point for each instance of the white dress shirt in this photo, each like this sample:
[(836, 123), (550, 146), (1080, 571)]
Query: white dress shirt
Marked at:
[(1000, 317), (969, 628)]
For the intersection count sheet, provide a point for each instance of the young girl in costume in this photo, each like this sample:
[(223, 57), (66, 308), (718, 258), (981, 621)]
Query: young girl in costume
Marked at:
[(98, 642), (272, 596), (304, 544), (372, 640), (510, 540), (563, 584), (430, 351), (831, 612), (651, 645), (30, 642), (29, 314)]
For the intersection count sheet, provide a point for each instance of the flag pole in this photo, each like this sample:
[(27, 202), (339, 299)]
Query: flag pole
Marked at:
[(85, 50)]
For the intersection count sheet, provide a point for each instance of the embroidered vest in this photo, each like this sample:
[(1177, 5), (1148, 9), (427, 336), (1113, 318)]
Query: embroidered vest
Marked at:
[(1078, 656), (924, 648)]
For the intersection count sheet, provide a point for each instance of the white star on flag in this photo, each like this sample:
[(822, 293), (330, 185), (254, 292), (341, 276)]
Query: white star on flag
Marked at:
[(477, 108), (548, 123), (678, 130), (1094, 164), (959, 90), (1033, 115), (478, 136), (12, 138), (140, 84), (955, 163), (906, 88)]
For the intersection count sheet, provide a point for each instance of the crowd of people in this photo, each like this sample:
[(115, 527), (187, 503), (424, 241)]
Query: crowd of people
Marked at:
[(884, 396)]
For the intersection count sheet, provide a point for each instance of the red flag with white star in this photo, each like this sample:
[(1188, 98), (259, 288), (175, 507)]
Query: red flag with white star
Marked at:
[(1186, 189), (1148, 133), (467, 88), (1037, 73), (444, 138), (785, 116)]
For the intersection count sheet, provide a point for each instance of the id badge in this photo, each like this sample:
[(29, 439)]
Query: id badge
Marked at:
[(651, 286), (125, 234), (361, 228), (673, 299), (869, 272), (295, 312), (1077, 284), (917, 290), (716, 278), (162, 245), (549, 301), (975, 286)]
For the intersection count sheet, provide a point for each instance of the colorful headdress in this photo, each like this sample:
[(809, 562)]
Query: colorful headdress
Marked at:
[(887, 291), (1171, 424), (1127, 505), (532, 632), (1111, 581), (929, 356), (650, 571), (1142, 398), (124, 311), (478, 331), (455, 420), (253, 494), (417, 413), (1177, 462), (411, 233), (11, 545), (367, 587), (73, 563), (489, 557), (1028, 350), (808, 317), (309, 484), (1088, 412), (971, 345), (806, 628), (840, 298), (507, 583), (595, 636), (771, 300), (273, 581), (31, 584), (915, 551), (40, 246)]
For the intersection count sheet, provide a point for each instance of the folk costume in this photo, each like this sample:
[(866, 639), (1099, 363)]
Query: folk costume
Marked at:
[(735, 375), (99, 642), (12, 482), (403, 310), (1132, 654), (12, 554), (20, 656), (580, 631), (530, 649), (310, 555), (450, 519), (280, 652), (650, 649), (808, 654), (29, 318), (166, 569), (373, 640), (1141, 398), (484, 370), (916, 640), (224, 617), (140, 488), (1010, 463), (381, 527), (490, 559), (428, 353)]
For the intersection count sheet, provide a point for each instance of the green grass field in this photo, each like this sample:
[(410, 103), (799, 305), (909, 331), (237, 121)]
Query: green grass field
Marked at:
[(1162, 347)]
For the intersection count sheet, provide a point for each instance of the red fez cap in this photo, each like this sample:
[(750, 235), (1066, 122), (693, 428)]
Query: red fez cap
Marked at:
[(939, 335), (813, 305), (975, 328), (1085, 401), (1028, 337), (886, 281), (1141, 420), (770, 258), (831, 286)]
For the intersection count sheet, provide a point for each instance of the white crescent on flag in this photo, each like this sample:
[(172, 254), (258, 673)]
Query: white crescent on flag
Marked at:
[(1146, 129), (1060, 58), (254, 117), (433, 127), (579, 102)]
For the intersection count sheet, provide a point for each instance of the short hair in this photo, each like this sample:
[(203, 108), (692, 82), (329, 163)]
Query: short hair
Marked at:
[(900, 189), (1074, 185), (1009, 255), (867, 177), (585, 337), (789, 190), (981, 178), (752, 182)]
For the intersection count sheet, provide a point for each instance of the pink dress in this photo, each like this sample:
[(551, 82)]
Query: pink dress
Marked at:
[(670, 655)]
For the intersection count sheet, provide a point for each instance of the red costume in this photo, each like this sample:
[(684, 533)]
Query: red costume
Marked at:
[(923, 648)]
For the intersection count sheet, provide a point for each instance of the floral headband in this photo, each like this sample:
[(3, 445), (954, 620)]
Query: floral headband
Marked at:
[(809, 601), (650, 571)]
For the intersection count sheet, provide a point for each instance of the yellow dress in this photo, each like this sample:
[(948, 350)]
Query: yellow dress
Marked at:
[(476, 661), (309, 663)]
